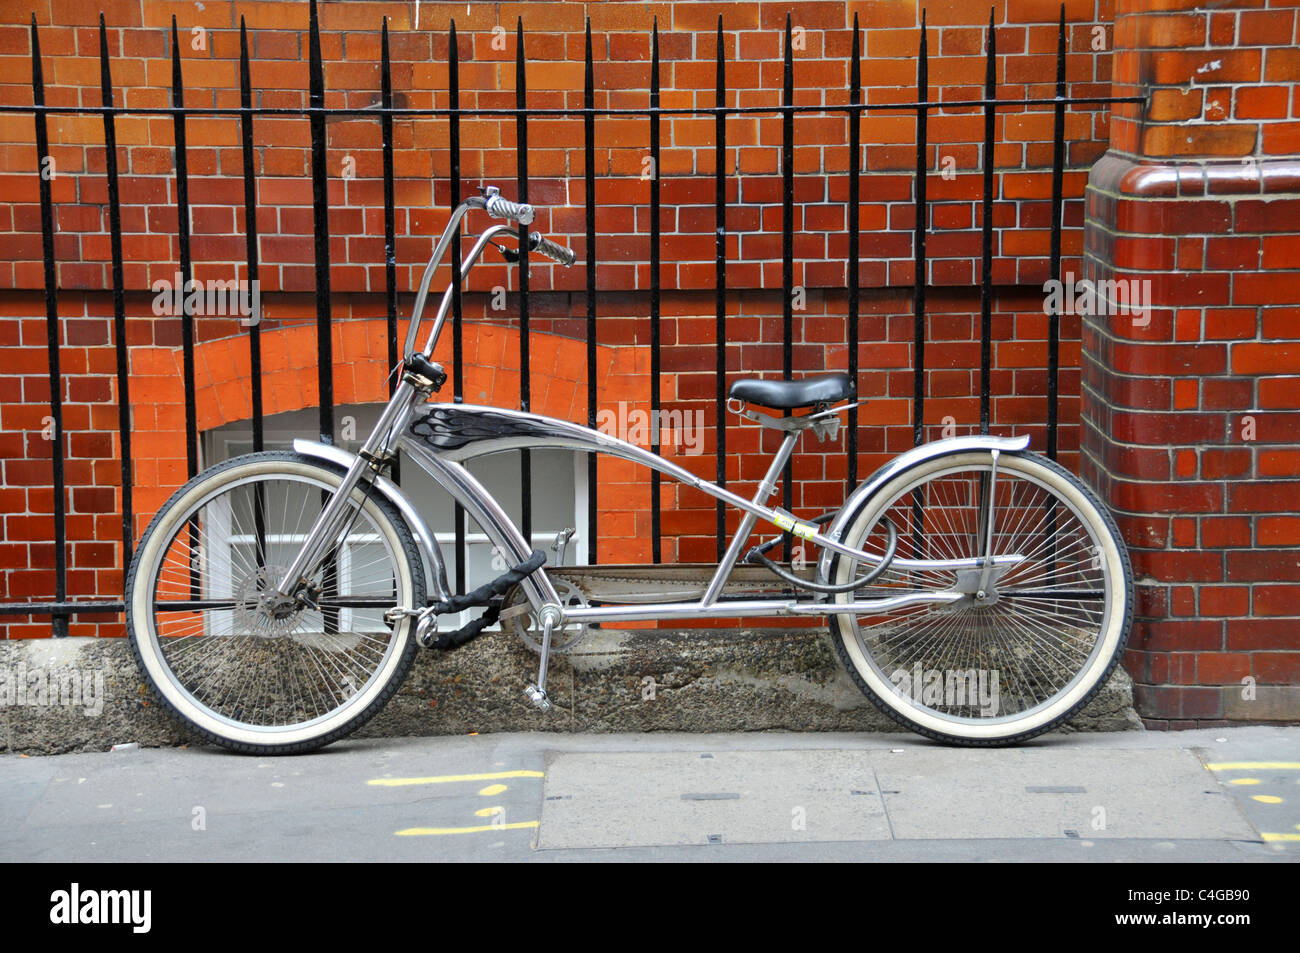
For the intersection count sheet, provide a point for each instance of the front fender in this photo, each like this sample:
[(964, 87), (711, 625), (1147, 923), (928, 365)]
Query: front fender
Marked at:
[(434, 569), (906, 461)]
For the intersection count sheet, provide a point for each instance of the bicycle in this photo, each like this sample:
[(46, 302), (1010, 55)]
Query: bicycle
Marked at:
[(976, 592)]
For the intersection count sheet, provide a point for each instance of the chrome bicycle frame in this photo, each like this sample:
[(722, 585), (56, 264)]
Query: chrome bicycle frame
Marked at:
[(443, 437), (446, 436)]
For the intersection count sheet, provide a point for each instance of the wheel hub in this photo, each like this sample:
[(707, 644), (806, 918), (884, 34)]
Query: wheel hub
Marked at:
[(979, 590), (262, 612)]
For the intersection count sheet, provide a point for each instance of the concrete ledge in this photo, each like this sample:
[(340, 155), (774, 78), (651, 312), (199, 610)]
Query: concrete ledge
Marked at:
[(644, 680)]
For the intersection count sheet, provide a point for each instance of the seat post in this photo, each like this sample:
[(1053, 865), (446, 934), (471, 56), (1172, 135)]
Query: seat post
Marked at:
[(765, 489)]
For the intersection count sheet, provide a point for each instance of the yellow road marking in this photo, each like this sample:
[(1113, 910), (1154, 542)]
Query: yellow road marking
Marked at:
[(449, 778), (1255, 766), (1266, 798), (434, 831), (1287, 837), (492, 789), (488, 811), (1244, 781)]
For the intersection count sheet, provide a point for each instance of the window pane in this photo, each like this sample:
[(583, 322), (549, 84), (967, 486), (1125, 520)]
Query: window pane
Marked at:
[(555, 503)]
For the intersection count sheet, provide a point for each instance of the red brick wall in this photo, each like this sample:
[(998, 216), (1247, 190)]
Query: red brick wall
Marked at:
[(753, 42), (139, 42), (1191, 421)]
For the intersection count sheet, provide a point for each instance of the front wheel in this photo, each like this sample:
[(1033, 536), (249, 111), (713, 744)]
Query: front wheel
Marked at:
[(1025, 645), (240, 669)]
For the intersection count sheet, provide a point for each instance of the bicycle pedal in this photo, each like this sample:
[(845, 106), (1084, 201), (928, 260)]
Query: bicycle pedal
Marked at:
[(538, 697)]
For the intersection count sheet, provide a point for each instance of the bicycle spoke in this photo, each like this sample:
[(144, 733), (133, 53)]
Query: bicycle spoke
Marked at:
[(236, 653), (1029, 639)]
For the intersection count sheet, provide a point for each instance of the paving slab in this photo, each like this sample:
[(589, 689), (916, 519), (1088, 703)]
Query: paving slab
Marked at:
[(676, 798), (644, 799), (1055, 792)]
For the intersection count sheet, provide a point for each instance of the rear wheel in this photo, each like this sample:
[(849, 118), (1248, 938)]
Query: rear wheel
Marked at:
[(240, 669), (1024, 647)]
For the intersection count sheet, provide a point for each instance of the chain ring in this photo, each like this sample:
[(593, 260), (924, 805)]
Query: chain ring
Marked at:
[(524, 623)]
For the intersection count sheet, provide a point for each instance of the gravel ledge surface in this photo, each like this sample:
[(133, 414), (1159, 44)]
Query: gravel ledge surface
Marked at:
[(708, 680)]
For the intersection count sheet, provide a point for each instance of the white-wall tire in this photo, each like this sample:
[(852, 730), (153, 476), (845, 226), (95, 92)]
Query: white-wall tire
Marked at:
[(213, 667), (1018, 627)]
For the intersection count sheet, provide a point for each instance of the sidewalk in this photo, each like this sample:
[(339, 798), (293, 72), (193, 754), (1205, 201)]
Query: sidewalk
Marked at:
[(1213, 795)]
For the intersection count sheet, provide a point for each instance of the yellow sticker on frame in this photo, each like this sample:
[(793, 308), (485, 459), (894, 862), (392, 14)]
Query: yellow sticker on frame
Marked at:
[(791, 525)]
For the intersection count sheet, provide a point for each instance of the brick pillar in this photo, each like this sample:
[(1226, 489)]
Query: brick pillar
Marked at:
[(1191, 411)]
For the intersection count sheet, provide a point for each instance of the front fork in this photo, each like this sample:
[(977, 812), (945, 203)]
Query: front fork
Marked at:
[(420, 378)]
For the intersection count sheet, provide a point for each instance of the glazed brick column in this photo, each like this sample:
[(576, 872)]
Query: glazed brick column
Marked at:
[(1191, 411)]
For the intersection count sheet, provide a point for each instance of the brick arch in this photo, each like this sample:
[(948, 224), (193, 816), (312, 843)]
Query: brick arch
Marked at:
[(223, 395)]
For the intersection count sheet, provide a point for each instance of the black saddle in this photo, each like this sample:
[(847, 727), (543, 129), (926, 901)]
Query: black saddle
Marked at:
[(787, 395)]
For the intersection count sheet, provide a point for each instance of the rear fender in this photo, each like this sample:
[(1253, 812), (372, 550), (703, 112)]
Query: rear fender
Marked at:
[(915, 457)]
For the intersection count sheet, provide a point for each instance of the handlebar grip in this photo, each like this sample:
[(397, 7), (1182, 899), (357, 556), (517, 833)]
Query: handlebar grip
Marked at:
[(512, 211), (552, 250)]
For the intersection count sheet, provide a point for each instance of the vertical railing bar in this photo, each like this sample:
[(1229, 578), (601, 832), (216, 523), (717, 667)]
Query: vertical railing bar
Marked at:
[(320, 217), (919, 279), (119, 293), (250, 233), (453, 145), (320, 221), (1058, 176), (922, 221), (250, 240), (183, 235), (986, 234), (390, 221), (855, 197), (390, 204), (525, 378), (656, 516), (720, 280), (787, 254), (589, 171), (59, 627), (457, 299), (187, 313)]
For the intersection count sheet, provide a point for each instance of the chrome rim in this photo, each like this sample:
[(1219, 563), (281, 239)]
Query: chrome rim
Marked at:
[(229, 652), (1011, 655)]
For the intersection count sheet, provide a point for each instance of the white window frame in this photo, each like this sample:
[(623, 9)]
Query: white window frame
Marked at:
[(217, 443)]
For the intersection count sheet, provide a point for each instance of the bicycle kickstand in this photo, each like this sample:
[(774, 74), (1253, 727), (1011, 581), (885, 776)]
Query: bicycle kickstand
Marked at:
[(537, 693)]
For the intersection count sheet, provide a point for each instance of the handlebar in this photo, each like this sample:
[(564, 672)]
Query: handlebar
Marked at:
[(523, 213), (552, 250), (491, 202), (520, 212)]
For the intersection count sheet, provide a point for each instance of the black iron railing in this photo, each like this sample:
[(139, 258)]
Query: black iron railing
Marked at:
[(61, 607)]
